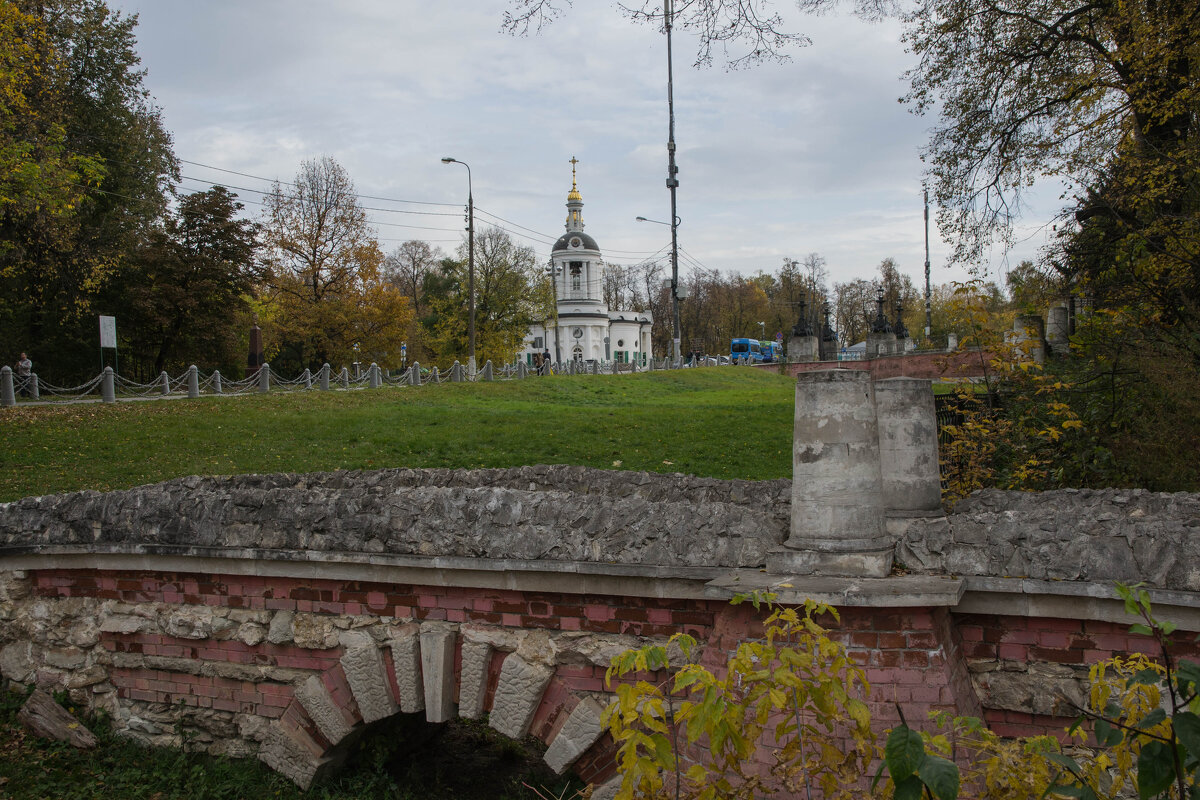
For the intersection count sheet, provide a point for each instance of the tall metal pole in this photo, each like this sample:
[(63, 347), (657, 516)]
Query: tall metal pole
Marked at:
[(672, 184), (470, 266), (928, 308)]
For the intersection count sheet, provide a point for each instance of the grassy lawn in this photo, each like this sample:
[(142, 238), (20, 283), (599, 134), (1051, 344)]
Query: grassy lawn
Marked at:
[(718, 422)]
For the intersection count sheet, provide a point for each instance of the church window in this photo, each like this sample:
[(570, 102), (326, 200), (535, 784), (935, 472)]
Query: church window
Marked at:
[(576, 272)]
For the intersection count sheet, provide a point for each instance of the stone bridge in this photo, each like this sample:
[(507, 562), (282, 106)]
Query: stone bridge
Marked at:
[(279, 616)]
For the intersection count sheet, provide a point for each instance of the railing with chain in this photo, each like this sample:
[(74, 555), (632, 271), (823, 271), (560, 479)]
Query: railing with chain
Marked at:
[(110, 387)]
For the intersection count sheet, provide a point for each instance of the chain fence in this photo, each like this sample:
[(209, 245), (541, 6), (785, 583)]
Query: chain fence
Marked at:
[(110, 387)]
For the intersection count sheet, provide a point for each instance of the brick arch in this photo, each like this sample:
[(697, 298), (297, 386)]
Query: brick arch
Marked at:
[(446, 673)]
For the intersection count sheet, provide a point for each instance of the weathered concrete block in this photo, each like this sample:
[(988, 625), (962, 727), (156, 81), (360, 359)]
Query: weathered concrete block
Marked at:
[(333, 722), (293, 754), (437, 671), (608, 789), (365, 673), (473, 677), (518, 694), (581, 730), (406, 658)]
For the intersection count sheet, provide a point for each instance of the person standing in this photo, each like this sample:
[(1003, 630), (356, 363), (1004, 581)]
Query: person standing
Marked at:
[(24, 370)]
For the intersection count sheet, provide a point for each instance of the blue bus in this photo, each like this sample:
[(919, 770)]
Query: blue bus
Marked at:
[(746, 349), (770, 351)]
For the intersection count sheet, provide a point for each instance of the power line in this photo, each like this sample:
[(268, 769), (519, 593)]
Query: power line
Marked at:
[(364, 208), (288, 183)]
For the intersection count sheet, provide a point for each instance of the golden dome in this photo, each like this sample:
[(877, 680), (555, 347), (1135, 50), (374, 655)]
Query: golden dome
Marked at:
[(574, 193)]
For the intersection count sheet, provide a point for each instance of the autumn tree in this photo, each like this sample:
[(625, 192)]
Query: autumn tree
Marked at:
[(86, 165), (322, 273), (510, 295)]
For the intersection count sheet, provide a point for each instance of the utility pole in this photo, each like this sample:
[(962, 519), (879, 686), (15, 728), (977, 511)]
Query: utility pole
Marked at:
[(928, 307), (672, 184)]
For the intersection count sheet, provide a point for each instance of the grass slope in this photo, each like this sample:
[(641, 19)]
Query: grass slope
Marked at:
[(719, 422)]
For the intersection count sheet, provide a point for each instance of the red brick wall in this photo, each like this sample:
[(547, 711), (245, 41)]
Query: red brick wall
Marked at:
[(918, 658), (916, 365)]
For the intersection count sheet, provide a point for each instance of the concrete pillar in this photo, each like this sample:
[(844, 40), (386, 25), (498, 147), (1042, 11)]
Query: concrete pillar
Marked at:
[(1058, 330), (164, 380), (307, 378), (264, 378), (373, 379), (880, 344), (838, 525), (414, 374), (324, 382), (193, 382), (951, 342), (434, 376), (908, 444), (217, 381), (803, 349), (108, 389), (457, 373), (345, 377), (35, 391), (522, 370), (7, 396), (1029, 337), (486, 372)]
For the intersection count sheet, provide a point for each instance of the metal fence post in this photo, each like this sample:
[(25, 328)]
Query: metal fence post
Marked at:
[(108, 390), (193, 380)]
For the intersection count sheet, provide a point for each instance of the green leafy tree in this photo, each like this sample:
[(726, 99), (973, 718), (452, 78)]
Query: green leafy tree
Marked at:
[(187, 287)]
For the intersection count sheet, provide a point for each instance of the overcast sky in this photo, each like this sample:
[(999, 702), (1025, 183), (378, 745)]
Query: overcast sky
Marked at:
[(775, 161)]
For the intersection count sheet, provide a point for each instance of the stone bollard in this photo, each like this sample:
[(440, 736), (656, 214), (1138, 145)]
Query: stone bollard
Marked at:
[(345, 377), (108, 389), (434, 376), (456, 373), (193, 382), (486, 372), (217, 381), (264, 378), (838, 525), (7, 396), (165, 380), (414, 374), (373, 378), (35, 391), (307, 378), (522, 370), (324, 384)]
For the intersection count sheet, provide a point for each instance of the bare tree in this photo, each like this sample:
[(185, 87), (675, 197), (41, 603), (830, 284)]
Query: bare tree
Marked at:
[(406, 268)]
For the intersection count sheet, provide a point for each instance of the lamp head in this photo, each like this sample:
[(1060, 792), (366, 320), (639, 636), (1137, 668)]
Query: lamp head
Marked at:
[(641, 219), (449, 160)]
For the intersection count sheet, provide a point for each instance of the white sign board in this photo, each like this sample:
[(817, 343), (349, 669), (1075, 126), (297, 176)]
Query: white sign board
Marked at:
[(108, 332)]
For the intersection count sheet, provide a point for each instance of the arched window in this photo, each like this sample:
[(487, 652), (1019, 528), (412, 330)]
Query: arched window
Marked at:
[(576, 274)]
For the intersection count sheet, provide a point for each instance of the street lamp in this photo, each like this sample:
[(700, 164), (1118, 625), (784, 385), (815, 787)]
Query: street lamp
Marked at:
[(470, 265), (763, 325), (675, 337)]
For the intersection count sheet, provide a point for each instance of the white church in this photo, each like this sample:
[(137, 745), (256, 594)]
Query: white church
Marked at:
[(586, 330)]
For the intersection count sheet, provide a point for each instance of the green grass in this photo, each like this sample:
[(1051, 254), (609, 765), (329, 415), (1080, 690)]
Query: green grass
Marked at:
[(722, 423)]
